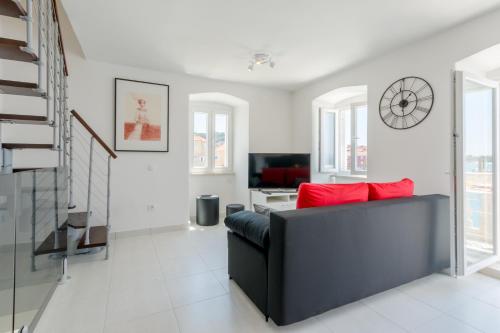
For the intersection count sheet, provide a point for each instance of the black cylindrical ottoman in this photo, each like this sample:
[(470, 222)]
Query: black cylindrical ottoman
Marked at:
[(234, 208), (207, 210)]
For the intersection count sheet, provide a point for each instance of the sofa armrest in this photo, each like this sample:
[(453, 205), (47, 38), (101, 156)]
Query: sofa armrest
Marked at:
[(251, 226), (321, 258)]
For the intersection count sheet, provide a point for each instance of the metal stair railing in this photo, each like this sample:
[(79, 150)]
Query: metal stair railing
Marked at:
[(92, 163)]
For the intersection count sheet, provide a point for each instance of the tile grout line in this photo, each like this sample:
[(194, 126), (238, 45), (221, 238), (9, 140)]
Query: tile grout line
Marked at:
[(383, 315), (443, 313), (177, 322)]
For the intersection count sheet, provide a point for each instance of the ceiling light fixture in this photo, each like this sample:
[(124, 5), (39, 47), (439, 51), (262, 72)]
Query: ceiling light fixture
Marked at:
[(260, 59)]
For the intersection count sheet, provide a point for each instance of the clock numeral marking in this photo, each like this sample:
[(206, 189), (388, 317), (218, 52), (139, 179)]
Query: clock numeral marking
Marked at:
[(413, 83), (426, 98), (394, 121), (393, 90), (403, 84), (388, 116), (421, 89), (405, 124), (385, 107), (415, 119), (422, 109)]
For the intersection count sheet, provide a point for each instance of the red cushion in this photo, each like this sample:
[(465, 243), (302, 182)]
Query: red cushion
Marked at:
[(401, 189), (317, 195)]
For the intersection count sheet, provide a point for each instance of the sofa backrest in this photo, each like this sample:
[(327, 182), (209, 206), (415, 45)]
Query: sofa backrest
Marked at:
[(320, 258)]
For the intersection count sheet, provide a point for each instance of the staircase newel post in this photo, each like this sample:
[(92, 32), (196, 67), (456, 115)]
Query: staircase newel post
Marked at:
[(108, 203), (89, 193), (71, 120), (1, 151), (7, 160), (57, 141), (55, 97), (29, 24), (47, 60), (40, 28), (65, 120), (61, 110), (56, 210), (33, 223)]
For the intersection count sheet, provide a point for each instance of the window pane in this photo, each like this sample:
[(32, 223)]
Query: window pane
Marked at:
[(200, 140), (328, 123), (221, 142), (361, 157), (346, 140)]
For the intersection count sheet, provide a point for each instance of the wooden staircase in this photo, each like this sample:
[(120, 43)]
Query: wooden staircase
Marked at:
[(20, 51), (20, 88), (12, 8), (20, 118), (12, 49)]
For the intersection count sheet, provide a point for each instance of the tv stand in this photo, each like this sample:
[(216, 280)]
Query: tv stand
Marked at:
[(278, 190), (278, 199)]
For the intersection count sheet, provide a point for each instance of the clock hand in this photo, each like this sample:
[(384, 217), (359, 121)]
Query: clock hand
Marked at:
[(397, 104)]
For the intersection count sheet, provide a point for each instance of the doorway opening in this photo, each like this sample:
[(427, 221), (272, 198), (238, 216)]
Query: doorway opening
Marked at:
[(477, 84)]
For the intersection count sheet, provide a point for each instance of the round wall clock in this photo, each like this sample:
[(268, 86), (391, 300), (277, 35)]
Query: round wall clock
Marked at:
[(406, 103)]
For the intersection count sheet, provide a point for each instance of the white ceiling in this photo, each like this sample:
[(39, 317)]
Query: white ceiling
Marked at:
[(215, 38)]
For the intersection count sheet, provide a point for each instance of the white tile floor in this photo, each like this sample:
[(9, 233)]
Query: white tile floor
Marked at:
[(177, 282)]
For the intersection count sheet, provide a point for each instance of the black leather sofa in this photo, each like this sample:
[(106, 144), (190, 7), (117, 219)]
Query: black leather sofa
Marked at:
[(300, 263)]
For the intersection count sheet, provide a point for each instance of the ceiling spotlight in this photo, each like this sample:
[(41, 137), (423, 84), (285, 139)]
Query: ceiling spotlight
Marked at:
[(260, 59)]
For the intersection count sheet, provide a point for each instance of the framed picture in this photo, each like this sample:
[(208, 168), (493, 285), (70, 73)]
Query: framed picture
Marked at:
[(141, 116)]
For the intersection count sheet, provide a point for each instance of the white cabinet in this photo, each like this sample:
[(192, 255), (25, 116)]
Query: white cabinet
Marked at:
[(274, 200)]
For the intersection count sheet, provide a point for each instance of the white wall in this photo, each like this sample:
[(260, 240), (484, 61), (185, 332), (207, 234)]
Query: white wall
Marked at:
[(91, 93), (161, 179), (422, 153)]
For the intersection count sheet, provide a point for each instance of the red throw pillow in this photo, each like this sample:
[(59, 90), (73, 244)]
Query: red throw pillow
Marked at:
[(401, 189), (318, 195)]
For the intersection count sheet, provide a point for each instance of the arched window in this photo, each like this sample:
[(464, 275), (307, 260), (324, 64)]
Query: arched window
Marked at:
[(212, 137), (343, 140)]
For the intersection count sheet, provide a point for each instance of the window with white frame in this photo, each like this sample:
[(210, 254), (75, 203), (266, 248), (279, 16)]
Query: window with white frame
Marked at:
[(211, 138), (343, 144)]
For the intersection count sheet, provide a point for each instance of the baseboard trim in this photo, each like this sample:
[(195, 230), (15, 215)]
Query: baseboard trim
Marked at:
[(148, 231)]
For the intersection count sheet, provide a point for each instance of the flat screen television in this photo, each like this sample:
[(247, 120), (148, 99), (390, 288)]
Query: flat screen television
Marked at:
[(278, 171)]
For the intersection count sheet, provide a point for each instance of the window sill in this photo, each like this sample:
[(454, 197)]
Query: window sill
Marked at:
[(348, 176), (209, 173), (351, 176)]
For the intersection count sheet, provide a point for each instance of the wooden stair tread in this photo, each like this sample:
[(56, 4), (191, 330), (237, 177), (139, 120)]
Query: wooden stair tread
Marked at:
[(21, 117), (27, 145), (12, 8), (15, 170), (12, 49), (19, 88), (77, 220), (48, 245), (98, 238)]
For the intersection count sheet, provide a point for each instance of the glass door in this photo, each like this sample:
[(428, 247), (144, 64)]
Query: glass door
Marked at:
[(476, 173)]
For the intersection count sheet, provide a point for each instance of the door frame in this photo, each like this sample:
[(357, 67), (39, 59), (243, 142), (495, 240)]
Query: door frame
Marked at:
[(459, 264)]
